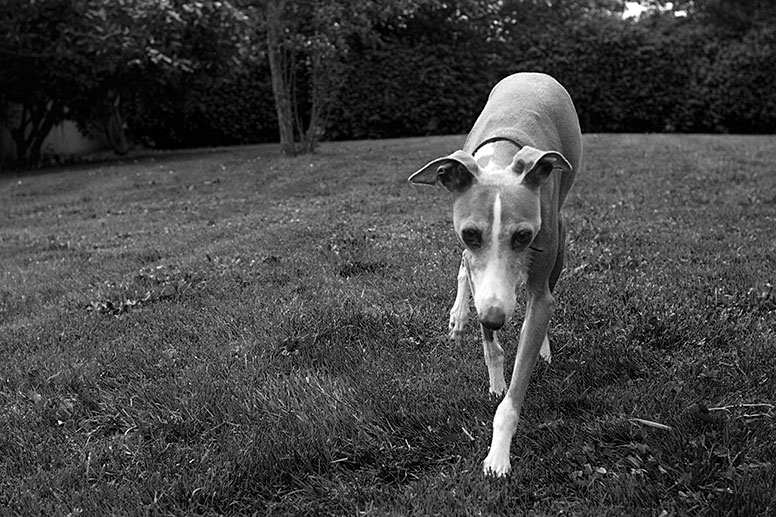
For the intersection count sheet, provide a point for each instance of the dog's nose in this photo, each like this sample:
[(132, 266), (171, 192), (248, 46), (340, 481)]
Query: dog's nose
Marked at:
[(493, 318)]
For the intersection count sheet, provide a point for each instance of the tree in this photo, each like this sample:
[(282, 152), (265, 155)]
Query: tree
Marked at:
[(163, 53), (307, 43), (35, 51), (81, 59), (281, 67)]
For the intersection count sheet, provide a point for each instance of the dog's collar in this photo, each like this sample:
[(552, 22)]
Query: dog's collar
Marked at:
[(497, 139)]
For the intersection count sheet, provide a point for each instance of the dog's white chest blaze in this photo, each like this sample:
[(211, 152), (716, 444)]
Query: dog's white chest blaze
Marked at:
[(485, 158), (489, 161)]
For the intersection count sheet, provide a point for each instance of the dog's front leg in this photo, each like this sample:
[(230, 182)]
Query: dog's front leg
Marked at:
[(537, 320), (459, 314)]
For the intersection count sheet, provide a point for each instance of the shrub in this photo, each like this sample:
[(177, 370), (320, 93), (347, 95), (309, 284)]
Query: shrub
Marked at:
[(202, 111)]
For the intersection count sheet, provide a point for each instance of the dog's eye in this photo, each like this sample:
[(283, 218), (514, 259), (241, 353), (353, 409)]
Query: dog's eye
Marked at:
[(471, 237), (521, 238)]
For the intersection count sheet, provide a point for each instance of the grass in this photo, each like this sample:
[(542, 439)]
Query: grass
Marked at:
[(227, 332)]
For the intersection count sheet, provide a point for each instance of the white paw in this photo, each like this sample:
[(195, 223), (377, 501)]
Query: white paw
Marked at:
[(498, 386), (545, 352), (497, 466), (456, 327), (455, 335), (504, 423)]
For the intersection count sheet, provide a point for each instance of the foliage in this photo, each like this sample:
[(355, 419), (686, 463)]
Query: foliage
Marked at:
[(662, 73), (196, 110), (84, 58), (197, 73), (739, 90), (728, 18), (392, 90), (41, 66)]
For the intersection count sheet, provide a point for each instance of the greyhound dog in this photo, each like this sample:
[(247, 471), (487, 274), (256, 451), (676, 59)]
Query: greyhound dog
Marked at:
[(508, 184)]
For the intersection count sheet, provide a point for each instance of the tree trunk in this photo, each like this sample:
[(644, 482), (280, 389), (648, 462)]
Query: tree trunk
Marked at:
[(318, 99), (51, 117), (36, 123), (115, 134), (19, 134), (114, 125), (278, 68), (3, 125), (310, 136)]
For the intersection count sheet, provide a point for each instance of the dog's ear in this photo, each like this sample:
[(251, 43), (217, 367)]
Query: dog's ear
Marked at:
[(535, 165), (455, 172)]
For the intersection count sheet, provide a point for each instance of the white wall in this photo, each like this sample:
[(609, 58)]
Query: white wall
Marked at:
[(63, 139)]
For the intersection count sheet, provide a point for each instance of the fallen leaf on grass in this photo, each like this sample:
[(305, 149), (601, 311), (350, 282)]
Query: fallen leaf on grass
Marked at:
[(650, 423)]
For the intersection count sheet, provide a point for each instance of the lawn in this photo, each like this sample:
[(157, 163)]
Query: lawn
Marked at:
[(228, 332)]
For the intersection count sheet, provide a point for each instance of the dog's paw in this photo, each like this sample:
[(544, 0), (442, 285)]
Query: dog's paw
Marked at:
[(497, 391), (455, 335), (545, 352), (496, 466), (455, 328), (497, 387)]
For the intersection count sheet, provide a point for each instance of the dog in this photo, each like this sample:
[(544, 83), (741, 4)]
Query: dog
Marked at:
[(509, 183)]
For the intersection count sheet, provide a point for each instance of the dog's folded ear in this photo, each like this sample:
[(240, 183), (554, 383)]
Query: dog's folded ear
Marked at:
[(455, 172), (535, 165)]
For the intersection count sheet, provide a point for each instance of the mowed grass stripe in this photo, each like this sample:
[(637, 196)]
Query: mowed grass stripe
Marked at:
[(231, 332)]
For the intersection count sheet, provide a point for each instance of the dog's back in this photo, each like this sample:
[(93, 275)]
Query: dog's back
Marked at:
[(532, 109)]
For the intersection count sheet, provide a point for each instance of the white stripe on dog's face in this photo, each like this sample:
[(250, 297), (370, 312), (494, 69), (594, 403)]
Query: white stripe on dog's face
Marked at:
[(495, 229), (489, 281), (491, 286)]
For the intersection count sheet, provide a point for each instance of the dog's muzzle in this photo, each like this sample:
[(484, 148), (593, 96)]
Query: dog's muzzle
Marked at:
[(493, 318)]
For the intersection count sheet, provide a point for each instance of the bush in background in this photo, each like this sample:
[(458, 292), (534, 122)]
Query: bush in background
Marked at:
[(200, 111), (191, 74), (624, 77)]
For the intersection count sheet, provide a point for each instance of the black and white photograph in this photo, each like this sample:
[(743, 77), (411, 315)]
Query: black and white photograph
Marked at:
[(387, 258)]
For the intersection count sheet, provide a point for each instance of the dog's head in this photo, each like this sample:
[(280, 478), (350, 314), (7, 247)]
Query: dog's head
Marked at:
[(497, 216)]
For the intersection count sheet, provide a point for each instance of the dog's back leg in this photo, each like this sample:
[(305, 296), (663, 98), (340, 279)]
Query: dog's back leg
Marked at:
[(545, 352), (560, 258)]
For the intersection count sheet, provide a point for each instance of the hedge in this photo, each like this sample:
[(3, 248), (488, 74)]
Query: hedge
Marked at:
[(623, 77)]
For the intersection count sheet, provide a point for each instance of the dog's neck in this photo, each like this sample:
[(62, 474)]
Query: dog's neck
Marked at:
[(496, 153)]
